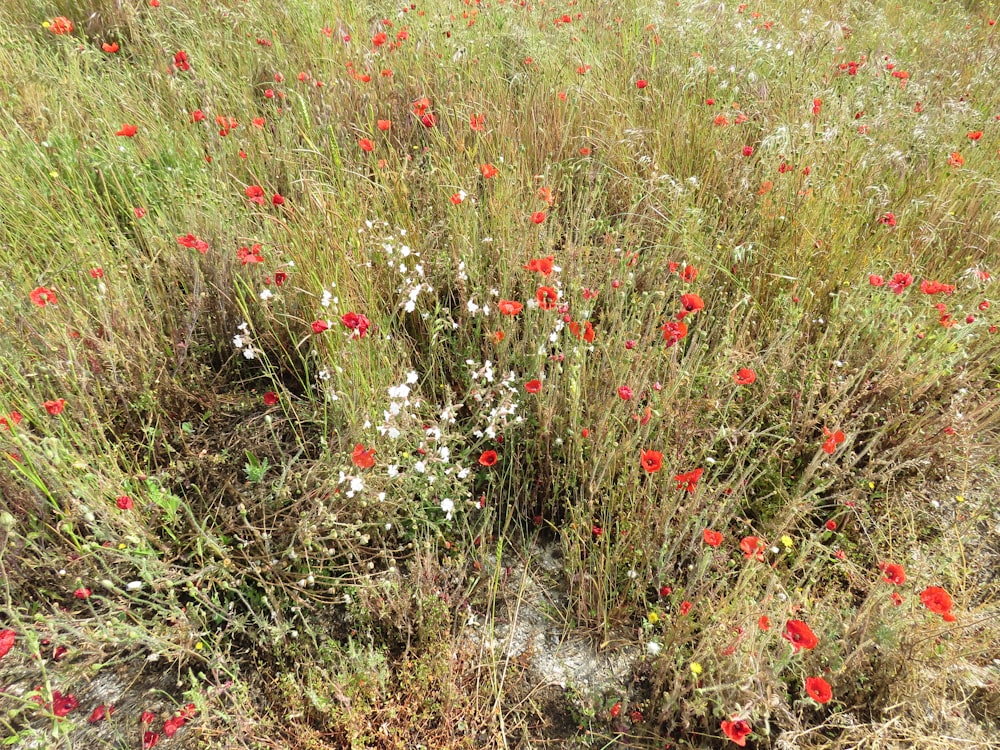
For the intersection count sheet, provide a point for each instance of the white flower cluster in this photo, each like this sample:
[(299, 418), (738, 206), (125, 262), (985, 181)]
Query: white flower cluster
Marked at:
[(242, 341)]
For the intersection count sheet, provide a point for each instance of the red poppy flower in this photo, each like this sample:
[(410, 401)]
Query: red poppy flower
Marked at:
[(14, 418), (689, 480), (319, 326), (189, 240), (692, 302), (955, 159), (488, 170), (533, 386), (876, 280), (674, 331), (538, 217), (833, 439), (935, 287), (651, 461), (271, 398), (745, 376), (42, 296), (541, 265), (476, 122), (55, 407), (149, 740), (252, 254), (363, 459), (61, 25), (547, 297), (170, 726), (488, 458), (509, 307), (124, 502), (764, 622), (893, 573), (899, 282), (357, 322), (685, 607), (181, 60), (63, 704), (588, 331), (7, 639), (127, 130), (752, 547), (110, 48), (366, 145), (938, 601), (625, 393), (256, 194), (384, 125), (800, 635), (737, 731), (712, 538), (819, 689), (99, 713), (641, 83), (428, 120), (82, 593)]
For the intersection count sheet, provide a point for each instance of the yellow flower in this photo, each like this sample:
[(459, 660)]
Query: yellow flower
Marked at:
[(959, 499), (653, 618), (696, 668), (787, 541), (199, 646)]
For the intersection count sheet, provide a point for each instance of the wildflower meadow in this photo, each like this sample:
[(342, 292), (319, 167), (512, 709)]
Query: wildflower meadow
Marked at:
[(499, 374)]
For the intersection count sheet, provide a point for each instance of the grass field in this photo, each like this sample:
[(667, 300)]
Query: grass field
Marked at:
[(499, 374)]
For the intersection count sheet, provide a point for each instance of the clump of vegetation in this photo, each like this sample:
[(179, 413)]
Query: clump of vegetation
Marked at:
[(356, 360)]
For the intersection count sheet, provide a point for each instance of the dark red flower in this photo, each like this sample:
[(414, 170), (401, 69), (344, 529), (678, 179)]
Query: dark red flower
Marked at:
[(270, 398), (819, 689), (624, 393), (357, 323), (149, 740), (63, 704), (256, 194), (124, 502), (99, 713), (800, 635), (319, 326), (181, 60)]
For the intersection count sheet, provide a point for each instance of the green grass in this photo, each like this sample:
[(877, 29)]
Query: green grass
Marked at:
[(777, 161)]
